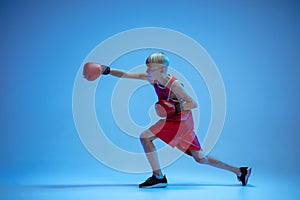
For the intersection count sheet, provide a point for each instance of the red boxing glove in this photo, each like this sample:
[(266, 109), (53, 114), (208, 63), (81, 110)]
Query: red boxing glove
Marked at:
[(92, 71), (165, 108)]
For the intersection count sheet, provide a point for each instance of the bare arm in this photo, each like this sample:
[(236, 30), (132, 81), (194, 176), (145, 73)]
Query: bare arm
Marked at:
[(180, 93), (133, 75)]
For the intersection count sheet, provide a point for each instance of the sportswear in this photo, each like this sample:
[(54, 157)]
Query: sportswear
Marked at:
[(176, 130)]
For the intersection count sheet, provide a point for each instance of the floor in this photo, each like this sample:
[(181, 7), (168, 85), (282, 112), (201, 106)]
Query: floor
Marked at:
[(209, 186)]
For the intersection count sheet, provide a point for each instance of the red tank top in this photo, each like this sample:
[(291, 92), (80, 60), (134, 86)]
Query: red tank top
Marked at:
[(164, 93)]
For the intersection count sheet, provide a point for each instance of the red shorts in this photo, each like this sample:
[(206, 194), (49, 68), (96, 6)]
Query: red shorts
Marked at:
[(177, 133)]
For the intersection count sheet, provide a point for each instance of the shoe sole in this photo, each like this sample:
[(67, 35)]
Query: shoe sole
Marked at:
[(247, 175), (159, 185)]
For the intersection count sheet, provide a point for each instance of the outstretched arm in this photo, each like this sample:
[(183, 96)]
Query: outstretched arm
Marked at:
[(133, 75), (92, 70)]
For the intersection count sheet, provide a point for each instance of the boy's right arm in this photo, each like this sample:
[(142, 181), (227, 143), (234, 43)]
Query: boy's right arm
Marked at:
[(122, 74)]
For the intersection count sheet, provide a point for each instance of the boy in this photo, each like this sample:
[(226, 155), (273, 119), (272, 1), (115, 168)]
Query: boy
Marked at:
[(177, 128)]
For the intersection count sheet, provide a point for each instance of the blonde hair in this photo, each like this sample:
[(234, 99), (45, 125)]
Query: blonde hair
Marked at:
[(159, 58)]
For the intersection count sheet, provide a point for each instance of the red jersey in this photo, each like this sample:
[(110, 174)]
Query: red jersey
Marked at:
[(164, 93), (177, 130)]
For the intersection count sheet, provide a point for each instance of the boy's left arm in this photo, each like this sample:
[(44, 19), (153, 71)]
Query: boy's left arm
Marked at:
[(181, 93)]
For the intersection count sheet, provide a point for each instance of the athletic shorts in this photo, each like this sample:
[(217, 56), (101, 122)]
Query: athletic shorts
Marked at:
[(178, 134)]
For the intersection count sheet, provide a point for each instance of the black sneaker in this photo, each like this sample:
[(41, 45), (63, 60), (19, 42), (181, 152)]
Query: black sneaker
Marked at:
[(154, 182), (246, 171)]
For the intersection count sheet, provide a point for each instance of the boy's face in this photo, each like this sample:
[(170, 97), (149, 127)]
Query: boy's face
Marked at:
[(155, 71)]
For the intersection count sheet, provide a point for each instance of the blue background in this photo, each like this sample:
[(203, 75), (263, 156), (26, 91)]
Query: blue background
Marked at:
[(255, 45)]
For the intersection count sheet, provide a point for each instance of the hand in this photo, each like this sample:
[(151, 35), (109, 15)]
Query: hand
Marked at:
[(166, 108), (92, 71)]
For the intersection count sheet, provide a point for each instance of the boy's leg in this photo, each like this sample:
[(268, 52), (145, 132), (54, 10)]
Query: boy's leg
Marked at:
[(242, 173), (147, 138), (200, 158), (157, 179)]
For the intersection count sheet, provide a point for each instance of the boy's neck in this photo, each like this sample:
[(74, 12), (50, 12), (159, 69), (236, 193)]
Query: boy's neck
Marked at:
[(164, 79)]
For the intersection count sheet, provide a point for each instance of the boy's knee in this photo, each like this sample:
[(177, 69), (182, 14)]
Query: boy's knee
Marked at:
[(142, 136), (142, 139), (201, 160), (146, 137)]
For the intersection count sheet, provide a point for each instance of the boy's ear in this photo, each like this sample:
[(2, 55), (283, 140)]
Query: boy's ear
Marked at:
[(163, 69)]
